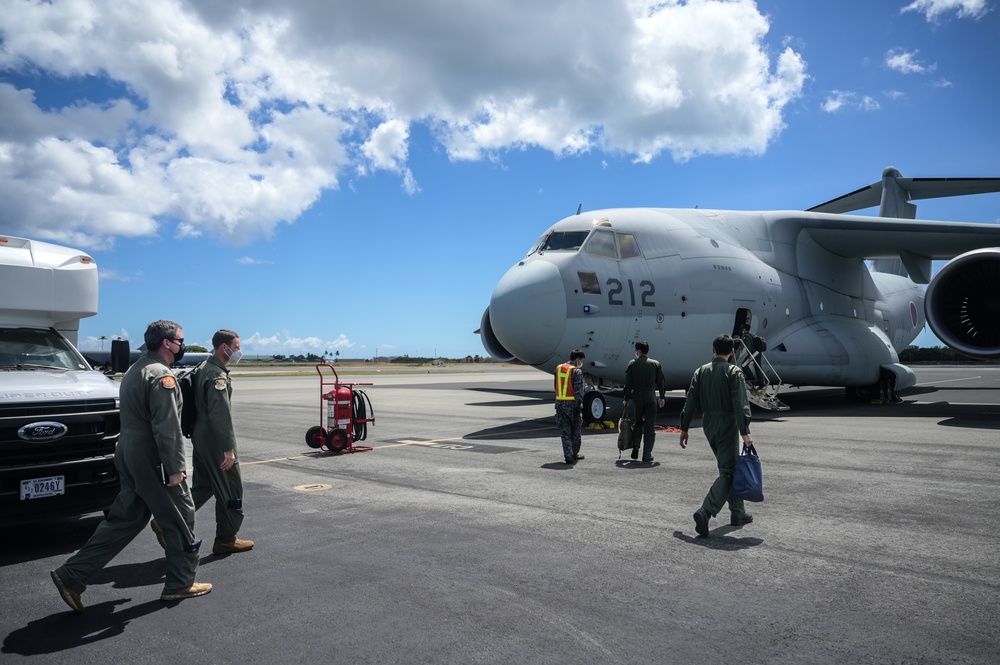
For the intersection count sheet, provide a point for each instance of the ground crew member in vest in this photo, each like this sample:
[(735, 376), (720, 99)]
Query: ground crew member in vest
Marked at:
[(643, 379), (719, 390), (569, 405), (216, 467), (750, 362), (151, 465)]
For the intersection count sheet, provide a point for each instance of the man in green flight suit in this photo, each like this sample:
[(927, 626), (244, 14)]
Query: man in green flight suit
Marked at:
[(643, 379), (718, 389), (750, 363), (151, 464), (216, 467)]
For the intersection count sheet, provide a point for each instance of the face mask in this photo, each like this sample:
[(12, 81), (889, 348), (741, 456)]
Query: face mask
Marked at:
[(234, 356), (180, 353)]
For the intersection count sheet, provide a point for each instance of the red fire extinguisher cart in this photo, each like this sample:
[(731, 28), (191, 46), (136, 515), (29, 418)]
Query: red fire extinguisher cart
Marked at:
[(347, 413)]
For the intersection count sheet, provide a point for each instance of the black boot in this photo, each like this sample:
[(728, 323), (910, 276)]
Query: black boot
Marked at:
[(701, 518)]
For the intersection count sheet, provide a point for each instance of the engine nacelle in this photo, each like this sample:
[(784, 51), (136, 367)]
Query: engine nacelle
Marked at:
[(962, 304)]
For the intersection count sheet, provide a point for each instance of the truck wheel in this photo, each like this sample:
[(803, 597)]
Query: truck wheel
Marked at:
[(315, 437), (594, 407), (336, 440)]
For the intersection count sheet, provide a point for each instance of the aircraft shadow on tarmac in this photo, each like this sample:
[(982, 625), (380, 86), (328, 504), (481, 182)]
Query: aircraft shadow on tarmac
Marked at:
[(538, 428), (530, 397), (68, 630), (808, 403), (832, 403), (719, 539)]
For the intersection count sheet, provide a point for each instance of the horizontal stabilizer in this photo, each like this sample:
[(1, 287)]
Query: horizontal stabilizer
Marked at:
[(907, 189)]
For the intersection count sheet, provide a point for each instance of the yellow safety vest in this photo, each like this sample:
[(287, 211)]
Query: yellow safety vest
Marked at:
[(564, 382)]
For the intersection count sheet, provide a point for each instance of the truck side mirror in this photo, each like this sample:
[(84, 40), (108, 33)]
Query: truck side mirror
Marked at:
[(120, 354)]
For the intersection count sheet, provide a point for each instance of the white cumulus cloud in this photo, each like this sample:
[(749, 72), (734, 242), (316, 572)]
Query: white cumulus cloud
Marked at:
[(906, 62), (229, 119), (935, 9)]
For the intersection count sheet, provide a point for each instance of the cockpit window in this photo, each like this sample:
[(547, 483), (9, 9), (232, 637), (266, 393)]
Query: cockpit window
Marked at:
[(564, 241), (628, 246), (537, 246), (602, 243)]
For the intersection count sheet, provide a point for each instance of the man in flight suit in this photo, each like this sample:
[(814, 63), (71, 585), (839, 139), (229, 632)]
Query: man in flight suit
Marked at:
[(216, 469), (718, 388), (750, 362), (151, 464), (643, 379), (569, 405)]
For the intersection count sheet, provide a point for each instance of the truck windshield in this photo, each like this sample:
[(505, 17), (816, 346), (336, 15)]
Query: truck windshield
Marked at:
[(32, 348)]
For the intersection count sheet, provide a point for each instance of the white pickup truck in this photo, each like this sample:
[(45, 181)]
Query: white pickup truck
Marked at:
[(59, 418)]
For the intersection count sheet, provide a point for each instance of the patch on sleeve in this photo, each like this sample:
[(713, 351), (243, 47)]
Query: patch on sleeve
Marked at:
[(168, 382), (220, 384)]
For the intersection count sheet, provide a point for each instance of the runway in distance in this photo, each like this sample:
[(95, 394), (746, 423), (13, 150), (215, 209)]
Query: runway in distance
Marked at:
[(602, 280)]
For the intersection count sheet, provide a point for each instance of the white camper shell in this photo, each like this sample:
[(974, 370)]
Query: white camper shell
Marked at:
[(59, 419)]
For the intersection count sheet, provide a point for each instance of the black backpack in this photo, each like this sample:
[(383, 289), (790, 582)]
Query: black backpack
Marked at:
[(759, 343), (189, 410)]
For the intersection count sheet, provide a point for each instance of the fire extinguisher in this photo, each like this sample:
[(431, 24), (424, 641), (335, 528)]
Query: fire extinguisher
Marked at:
[(342, 411)]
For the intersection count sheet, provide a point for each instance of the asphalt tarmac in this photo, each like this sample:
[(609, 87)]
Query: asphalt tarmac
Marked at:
[(463, 538)]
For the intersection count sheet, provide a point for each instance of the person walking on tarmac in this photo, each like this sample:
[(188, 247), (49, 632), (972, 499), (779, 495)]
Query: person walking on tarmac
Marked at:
[(216, 467), (150, 462), (569, 405), (719, 390), (643, 379)]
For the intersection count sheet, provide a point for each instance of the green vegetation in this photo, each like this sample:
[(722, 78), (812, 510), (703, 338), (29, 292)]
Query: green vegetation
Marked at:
[(936, 354)]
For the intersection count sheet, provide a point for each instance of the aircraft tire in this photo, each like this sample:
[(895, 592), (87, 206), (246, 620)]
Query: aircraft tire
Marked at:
[(594, 407)]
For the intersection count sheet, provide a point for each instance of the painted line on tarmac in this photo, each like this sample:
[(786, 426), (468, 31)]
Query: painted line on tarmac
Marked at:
[(276, 459), (404, 442), (410, 442)]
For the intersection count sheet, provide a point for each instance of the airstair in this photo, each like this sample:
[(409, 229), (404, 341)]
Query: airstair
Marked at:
[(765, 397)]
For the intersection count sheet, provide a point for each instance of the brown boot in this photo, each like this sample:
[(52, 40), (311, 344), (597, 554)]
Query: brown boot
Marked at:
[(71, 597), (196, 589), (233, 547)]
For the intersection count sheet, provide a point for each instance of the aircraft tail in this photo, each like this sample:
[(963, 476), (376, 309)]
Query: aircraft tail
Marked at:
[(894, 192), (893, 195)]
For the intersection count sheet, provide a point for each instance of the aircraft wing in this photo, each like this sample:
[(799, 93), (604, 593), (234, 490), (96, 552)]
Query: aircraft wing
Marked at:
[(915, 242), (878, 238)]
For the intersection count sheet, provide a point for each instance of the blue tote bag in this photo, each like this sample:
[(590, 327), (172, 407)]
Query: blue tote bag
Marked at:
[(748, 484)]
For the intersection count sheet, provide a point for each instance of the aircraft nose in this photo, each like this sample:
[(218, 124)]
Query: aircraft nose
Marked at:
[(528, 311)]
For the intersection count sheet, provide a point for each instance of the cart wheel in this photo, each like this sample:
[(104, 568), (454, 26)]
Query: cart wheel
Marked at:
[(315, 437), (336, 440)]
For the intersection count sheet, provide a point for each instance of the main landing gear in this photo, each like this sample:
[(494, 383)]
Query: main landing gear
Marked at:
[(594, 407)]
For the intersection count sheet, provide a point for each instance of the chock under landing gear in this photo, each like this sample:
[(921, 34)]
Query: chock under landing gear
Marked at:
[(347, 412)]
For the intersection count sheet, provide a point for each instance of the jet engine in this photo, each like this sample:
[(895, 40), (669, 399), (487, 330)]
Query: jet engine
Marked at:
[(962, 304)]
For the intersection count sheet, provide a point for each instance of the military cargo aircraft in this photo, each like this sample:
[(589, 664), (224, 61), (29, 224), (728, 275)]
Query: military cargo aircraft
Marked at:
[(125, 357), (602, 280)]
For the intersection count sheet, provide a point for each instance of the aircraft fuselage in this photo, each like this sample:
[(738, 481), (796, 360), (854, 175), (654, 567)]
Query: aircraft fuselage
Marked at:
[(677, 278)]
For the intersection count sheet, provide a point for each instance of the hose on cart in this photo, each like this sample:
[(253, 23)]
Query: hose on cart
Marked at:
[(361, 415)]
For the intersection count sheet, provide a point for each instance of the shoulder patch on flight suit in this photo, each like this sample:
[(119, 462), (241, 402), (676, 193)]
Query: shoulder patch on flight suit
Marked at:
[(168, 382), (220, 384)]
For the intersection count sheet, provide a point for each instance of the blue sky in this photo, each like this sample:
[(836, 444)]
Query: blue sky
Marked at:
[(356, 177)]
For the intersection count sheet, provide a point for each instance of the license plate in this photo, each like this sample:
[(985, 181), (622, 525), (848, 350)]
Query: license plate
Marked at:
[(38, 488)]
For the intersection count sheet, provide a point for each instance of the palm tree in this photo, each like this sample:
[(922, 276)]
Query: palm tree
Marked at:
[(102, 338), (337, 354)]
